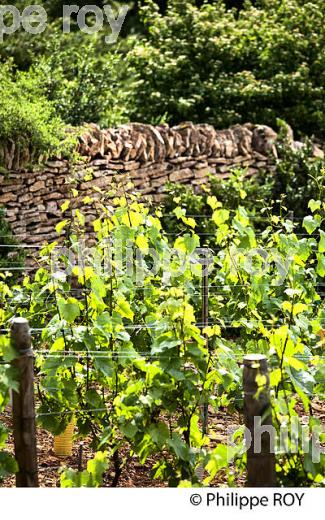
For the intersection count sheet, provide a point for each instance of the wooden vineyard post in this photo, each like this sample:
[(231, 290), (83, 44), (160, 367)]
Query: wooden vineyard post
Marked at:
[(23, 406), (260, 434)]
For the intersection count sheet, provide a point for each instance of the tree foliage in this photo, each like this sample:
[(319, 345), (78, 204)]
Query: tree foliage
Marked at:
[(210, 64), (215, 62)]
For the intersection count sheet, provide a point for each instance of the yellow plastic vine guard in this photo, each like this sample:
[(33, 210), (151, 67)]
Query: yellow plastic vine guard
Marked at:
[(63, 443)]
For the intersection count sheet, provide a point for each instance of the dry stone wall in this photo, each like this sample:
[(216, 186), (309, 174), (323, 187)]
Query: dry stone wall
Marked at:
[(146, 155)]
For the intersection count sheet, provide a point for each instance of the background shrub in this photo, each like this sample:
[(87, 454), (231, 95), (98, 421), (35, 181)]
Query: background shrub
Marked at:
[(84, 84), (299, 178), (215, 65), (218, 62), (27, 117)]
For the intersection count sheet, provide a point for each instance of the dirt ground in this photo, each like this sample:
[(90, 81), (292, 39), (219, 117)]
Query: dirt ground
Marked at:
[(134, 474)]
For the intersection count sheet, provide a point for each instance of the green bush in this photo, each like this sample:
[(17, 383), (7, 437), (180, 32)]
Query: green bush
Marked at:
[(213, 65), (83, 83), (84, 78), (299, 178), (204, 63), (254, 194), (27, 118)]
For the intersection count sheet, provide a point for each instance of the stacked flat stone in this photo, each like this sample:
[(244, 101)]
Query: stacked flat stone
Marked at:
[(148, 156)]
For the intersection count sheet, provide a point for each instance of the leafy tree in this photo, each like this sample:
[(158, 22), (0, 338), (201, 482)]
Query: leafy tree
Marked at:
[(218, 62), (210, 64)]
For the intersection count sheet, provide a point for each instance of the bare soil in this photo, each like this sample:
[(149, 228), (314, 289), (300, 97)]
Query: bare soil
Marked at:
[(134, 474)]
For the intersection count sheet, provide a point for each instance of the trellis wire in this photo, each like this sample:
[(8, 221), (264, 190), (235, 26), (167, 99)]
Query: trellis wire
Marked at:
[(234, 324)]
